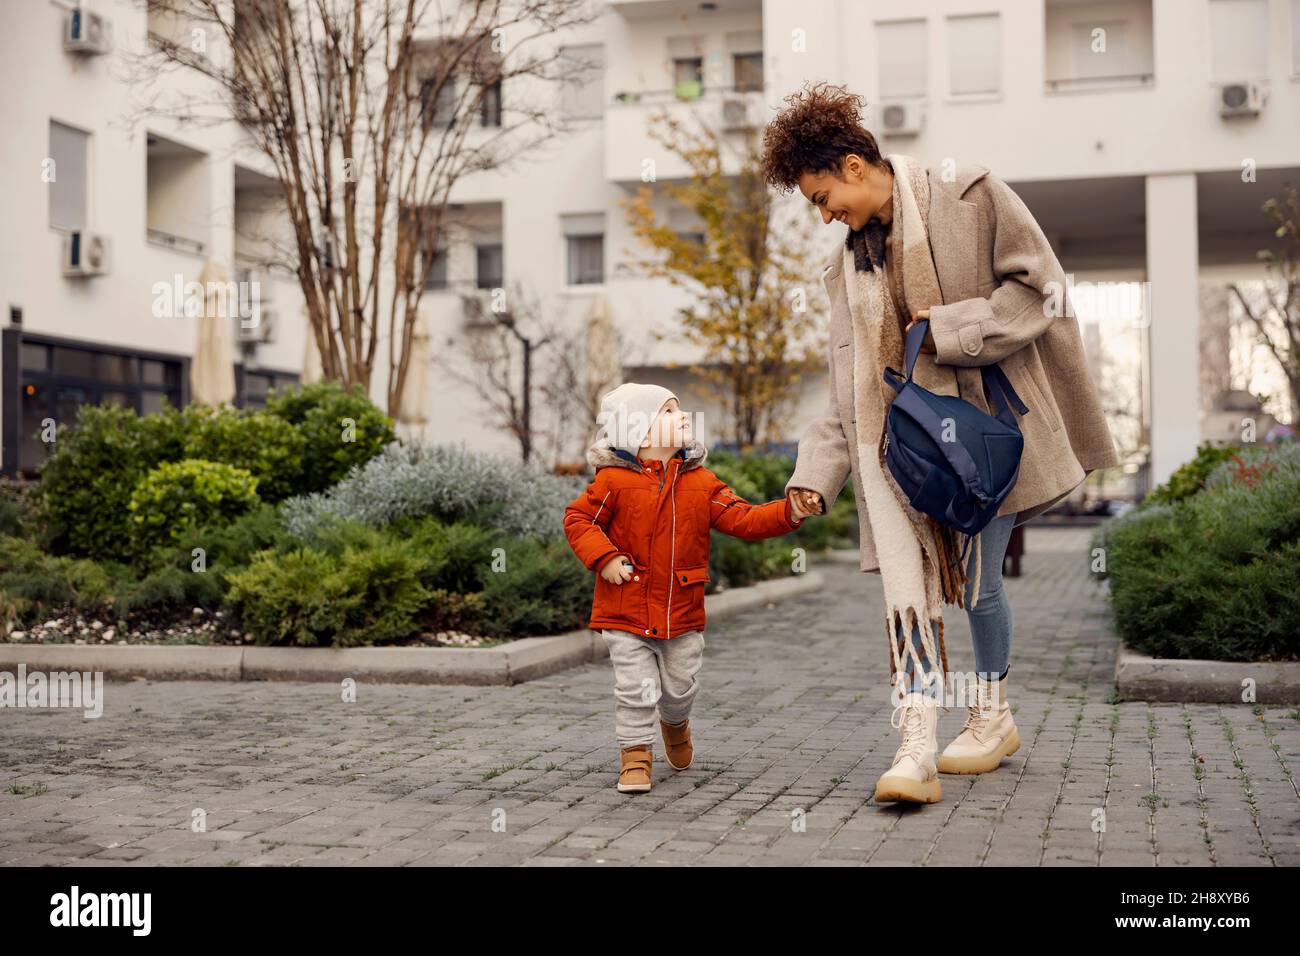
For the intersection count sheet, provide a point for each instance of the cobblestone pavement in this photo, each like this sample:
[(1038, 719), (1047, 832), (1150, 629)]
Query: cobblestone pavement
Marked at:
[(792, 730)]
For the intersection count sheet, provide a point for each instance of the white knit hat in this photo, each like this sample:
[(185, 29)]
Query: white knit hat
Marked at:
[(628, 412)]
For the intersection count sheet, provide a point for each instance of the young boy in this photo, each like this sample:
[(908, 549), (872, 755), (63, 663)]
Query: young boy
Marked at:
[(643, 525)]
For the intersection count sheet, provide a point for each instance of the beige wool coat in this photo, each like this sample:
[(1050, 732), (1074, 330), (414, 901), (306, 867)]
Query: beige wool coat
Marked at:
[(1003, 301)]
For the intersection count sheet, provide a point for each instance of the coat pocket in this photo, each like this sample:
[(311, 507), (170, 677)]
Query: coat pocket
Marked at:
[(1033, 390), (694, 575)]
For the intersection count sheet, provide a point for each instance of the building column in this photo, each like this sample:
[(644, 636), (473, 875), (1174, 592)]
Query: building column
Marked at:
[(1173, 334)]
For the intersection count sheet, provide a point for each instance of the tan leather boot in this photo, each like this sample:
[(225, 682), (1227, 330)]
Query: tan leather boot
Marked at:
[(677, 744), (913, 777), (989, 735), (634, 777)]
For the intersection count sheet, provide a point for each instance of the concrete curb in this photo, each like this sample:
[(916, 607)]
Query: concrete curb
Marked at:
[(1140, 677), (522, 660)]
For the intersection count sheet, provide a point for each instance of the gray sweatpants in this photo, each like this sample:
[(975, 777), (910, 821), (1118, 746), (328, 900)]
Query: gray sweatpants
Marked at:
[(650, 672)]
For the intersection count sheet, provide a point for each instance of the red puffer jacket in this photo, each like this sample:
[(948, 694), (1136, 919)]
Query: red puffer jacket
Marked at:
[(659, 518)]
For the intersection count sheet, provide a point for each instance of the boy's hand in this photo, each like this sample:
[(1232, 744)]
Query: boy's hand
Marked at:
[(617, 570), (804, 503)]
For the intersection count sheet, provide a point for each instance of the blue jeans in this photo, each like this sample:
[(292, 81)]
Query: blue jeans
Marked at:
[(990, 619)]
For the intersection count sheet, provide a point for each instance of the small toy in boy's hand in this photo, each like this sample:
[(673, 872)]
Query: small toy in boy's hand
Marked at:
[(617, 570)]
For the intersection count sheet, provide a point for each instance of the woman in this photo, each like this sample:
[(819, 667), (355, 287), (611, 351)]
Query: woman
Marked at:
[(954, 245)]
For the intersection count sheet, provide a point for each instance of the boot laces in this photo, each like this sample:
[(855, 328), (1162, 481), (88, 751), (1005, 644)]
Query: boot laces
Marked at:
[(909, 718), (980, 713)]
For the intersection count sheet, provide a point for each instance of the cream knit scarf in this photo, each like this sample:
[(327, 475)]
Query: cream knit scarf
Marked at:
[(917, 556)]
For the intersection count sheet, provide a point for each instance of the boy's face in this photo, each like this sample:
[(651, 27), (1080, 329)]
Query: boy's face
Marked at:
[(670, 429)]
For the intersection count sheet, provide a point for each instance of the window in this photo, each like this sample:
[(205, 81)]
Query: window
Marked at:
[(68, 149), (688, 77), (747, 68), (901, 59), (435, 279), (584, 234), (252, 386), (586, 260), (686, 54), (439, 107), (490, 105), (746, 49), (974, 55), (57, 377), (1238, 40), (583, 93), (488, 273)]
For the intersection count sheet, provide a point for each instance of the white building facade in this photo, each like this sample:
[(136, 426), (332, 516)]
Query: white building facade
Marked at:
[(1143, 134)]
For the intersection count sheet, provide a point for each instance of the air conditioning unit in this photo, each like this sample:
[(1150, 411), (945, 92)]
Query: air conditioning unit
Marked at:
[(737, 115), (85, 254), (902, 117), (86, 32), (260, 329), (1241, 99), (476, 314)]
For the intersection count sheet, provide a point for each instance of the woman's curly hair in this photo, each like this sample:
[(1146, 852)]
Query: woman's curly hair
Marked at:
[(813, 133)]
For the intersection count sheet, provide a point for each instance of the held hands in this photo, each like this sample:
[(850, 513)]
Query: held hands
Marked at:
[(805, 503), (927, 344), (617, 570)]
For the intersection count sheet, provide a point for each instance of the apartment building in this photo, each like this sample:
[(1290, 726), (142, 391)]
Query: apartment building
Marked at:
[(1143, 134)]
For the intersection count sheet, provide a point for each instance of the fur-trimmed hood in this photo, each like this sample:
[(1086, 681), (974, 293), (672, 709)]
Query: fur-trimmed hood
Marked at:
[(603, 455)]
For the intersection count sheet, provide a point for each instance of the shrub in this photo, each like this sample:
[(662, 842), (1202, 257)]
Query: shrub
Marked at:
[(177, 497), (340, 430), (34, 585), (263, 444), (311, 598), (734, 563), (85, 488), (762, 477), (542, 589), (1213, 575), (16, 516), (1189, 478), (450, 484)]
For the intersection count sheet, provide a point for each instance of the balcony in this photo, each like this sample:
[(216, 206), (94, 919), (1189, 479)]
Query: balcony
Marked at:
[(628, 145), (1091, 46)]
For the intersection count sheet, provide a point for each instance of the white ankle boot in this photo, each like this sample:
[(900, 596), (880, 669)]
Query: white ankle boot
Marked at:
[(913, 777), (989, 735)]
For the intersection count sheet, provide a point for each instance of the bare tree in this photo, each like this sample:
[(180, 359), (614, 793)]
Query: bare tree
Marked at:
[(370, 112), (1277, 316), (753, 314), (507, 356)]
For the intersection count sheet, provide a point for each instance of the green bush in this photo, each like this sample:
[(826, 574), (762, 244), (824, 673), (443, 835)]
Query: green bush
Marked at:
[(311, 598), (734, 563), (34, 585), (1189, 478), (538, 589), (85, 487), (16, 516), (340, 429), (762, 477), (177, 497), (1213, 575), (266, 445)]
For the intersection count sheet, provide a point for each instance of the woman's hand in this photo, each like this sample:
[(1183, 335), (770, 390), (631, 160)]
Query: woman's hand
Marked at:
[(804, 503), (927, 344), (617, 570)]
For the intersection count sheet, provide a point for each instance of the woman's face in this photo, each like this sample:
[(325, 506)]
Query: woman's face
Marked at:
[(852, 200)]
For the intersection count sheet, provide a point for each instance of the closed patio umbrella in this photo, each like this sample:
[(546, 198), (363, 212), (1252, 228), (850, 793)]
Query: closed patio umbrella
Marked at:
[(212, 371), (311, 364), (415, 396)]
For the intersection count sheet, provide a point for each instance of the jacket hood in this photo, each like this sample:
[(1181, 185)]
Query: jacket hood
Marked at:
[(603, 455)]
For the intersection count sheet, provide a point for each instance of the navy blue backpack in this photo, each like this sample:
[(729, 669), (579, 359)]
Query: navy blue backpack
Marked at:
[(959, 483)]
